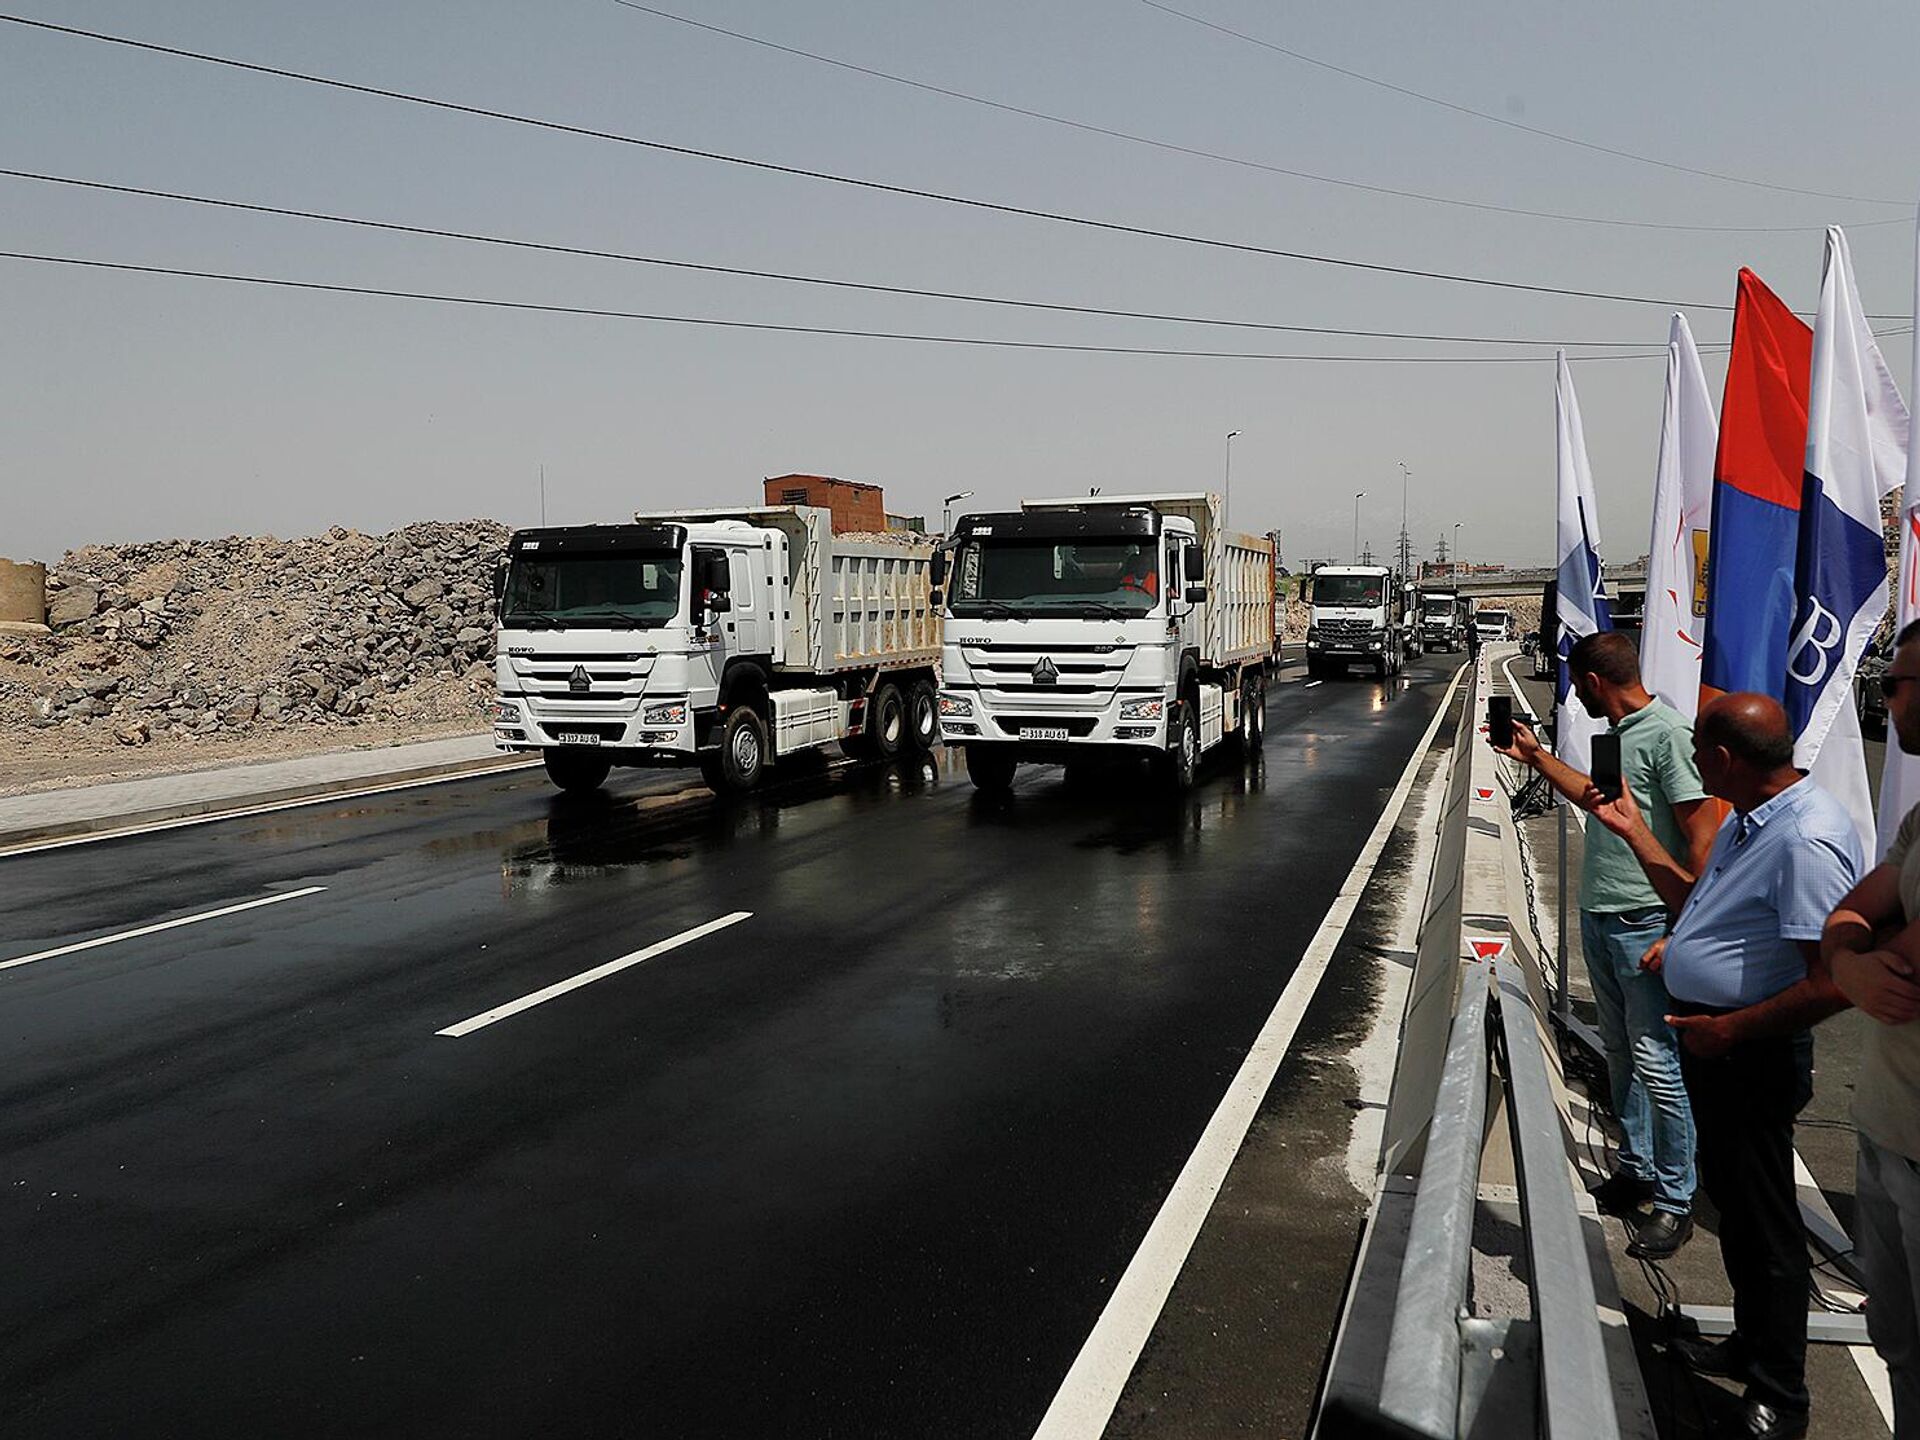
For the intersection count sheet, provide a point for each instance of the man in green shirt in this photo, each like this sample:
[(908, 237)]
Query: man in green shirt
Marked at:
[(1622, 920)]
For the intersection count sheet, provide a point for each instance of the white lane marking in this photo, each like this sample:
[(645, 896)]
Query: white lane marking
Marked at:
[(80, 945), (587, 977), (1311, 683), (34, 847), (1084, 1403)]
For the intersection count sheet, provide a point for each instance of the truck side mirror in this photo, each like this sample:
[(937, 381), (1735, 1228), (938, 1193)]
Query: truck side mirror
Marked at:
[(499, 583), (936, 598), (1196, 594), (718, 604), (937, 570), (715, 578), (1196, 563)]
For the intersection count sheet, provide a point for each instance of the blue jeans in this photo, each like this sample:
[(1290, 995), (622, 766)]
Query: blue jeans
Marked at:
[(1643, 1054)]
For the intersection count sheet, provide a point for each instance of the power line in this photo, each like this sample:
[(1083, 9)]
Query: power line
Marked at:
[(881, 187), (982, 342), (1244, 162), (397, 227), (1506, 120)]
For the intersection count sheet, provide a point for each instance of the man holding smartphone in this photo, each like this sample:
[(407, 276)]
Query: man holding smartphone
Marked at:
[(1622, 920)]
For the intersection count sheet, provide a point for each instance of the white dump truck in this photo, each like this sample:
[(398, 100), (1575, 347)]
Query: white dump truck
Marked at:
[(1441, 624), (1108, 625), (719, 638), (1356, 616)]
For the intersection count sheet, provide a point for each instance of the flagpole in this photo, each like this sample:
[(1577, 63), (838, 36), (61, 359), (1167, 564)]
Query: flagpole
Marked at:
[(1561, 1005)]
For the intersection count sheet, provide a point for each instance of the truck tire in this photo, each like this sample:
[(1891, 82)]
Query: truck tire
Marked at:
[(923, 716), (741, 761), (887, 727), (991, 767), (1180, 764), (1253, 715), (578, 772)]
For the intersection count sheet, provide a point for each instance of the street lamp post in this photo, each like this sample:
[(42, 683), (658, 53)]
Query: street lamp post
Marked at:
[(1456, 547), (1358, 495), (1226, 490), (946, 510)]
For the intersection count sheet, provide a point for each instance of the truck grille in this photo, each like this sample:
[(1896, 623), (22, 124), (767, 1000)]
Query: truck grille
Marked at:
[(1345, 629)]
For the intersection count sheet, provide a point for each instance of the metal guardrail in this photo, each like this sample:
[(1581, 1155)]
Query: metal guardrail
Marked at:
[(1412, 1357)]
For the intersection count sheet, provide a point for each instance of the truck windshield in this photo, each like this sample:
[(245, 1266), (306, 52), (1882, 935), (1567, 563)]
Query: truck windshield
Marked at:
[(1357, 590), (563, 589), (1441, 609), (1057, 576)]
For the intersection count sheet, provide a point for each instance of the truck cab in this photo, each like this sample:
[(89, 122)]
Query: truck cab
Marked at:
[(1355, 617), (1440, 619), (1080, 628)]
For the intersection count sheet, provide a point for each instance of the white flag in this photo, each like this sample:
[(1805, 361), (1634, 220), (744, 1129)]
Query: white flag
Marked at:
[(1580, 589), (1856, 453), (1674, 627), (1900, 782)]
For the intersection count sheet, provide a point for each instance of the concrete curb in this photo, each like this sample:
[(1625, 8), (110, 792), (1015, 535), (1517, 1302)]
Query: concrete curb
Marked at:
[(105, 827)]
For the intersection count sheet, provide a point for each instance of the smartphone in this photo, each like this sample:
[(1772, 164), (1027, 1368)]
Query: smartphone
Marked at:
[(1500, 721), (1606, 764)]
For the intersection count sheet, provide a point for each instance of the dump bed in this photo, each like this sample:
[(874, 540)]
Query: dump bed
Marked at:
[(1237, 620), (852, 602)]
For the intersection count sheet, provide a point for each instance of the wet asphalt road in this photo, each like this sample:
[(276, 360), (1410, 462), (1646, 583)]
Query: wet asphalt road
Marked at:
[(866, 1163)]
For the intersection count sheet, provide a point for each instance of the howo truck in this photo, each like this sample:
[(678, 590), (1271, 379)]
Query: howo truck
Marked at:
[(1109, 625), (1355, 617), (1441, 625), (725, 639)]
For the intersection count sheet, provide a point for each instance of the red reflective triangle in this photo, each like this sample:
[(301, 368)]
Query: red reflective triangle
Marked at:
[(1483, 791), (1488, 949)]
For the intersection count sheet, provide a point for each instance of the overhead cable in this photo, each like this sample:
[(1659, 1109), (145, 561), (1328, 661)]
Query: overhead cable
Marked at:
[(880, 187), (1242, 161), (1508, 120)]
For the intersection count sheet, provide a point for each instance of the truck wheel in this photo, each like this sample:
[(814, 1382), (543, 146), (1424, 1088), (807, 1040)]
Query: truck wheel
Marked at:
[(1253, 716), (1180, 765), (991, 767), (923, 716), (578, 772), (887, 727), (742, 759)]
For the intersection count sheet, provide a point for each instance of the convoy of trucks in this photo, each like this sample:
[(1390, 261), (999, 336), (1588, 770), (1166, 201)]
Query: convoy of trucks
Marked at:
[(1067, 630), (1104, 626), (726, 639), (1356, 616)]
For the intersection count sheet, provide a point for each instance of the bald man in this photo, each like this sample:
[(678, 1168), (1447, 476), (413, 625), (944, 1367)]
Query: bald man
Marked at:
[(1744, 968)]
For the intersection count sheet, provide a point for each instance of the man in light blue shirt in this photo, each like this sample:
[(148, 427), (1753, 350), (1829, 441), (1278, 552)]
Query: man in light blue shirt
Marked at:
[(1744, 969)]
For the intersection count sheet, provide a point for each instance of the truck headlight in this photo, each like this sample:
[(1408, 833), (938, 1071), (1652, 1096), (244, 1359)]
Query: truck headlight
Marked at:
[(953, 705), (505, 712), (1153, 709), (673, 713)]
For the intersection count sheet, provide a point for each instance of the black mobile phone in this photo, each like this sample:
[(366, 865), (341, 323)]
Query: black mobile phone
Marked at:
[(1500, 721), (1606, 764)]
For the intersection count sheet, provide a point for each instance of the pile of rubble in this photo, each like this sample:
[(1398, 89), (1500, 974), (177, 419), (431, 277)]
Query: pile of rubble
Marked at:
[(179, 640)]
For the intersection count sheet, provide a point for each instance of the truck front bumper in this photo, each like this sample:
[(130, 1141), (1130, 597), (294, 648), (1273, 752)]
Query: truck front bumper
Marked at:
[(656, 727), (1122, 719)]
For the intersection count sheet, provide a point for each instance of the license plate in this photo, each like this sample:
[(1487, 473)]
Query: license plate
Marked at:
[(1043, 732), (576, 737)]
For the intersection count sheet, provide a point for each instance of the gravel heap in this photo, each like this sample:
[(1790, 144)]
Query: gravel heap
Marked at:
[(184, 639)]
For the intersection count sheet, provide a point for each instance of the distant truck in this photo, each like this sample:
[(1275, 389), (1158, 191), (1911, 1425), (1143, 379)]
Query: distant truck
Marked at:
[(1356, 616), (726, 639), (1442, 619), (1493, 624), (1106, 625)]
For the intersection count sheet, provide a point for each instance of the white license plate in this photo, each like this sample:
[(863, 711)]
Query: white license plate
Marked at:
[(1043, 732), (576, 737)]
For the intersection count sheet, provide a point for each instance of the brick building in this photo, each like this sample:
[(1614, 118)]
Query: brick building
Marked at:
[(855, 507)]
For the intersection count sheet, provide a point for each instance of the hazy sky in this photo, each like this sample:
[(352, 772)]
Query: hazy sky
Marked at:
[(137, 406)]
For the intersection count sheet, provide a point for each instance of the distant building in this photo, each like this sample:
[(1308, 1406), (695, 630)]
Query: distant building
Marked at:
[(854, 506), (908, 524)]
